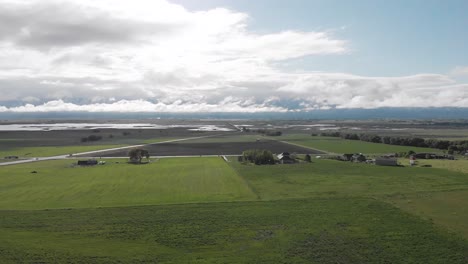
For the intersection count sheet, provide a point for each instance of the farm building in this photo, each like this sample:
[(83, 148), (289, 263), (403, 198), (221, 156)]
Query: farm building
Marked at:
[(90, 162), (285, 158), (383, 161)]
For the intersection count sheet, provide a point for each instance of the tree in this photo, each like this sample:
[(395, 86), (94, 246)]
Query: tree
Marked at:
[(308, 158), (136, 155), (258, 156)]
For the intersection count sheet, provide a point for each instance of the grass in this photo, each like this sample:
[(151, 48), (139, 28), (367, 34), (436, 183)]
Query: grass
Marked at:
[(204, 210), (26, 152), (451, 165), (59, 184), (447, 209), (291, 231), (329, 178), (338, 145)]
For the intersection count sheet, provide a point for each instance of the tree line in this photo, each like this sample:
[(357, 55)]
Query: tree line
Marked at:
[(258, 156), (452, 147)]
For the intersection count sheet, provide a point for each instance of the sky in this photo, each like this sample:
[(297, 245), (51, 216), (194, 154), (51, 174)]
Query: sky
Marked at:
[(231, 55)]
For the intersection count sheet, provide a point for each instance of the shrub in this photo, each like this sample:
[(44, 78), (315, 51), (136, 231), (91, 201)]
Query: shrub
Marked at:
[(258, 156)]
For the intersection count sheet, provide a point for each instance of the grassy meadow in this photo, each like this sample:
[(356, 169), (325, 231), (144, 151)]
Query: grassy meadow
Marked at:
[(338, 145), (290, 231), (446, 209), (61, 184), (206, 210), (330, 178)]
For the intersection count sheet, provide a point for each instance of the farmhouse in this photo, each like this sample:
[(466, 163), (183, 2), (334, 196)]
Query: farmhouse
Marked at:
[(384, 161), (90, 162), (285, 158)]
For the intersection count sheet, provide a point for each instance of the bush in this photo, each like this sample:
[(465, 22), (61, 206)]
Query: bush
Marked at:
[(258, 156)]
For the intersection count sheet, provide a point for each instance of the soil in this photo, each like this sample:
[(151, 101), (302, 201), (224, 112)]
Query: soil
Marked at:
[(228, 148)]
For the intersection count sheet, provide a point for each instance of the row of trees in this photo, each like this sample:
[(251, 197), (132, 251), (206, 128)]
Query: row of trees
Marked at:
[(452, 147)]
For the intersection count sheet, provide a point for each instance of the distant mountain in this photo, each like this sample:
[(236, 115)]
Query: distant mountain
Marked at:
[(338, 114)]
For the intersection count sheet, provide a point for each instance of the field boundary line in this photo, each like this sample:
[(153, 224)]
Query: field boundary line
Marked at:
[(80, 155), (294, 144)]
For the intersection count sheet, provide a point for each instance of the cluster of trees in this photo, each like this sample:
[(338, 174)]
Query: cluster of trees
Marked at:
[(91, 138), (137, 154), (258, 156), (452, 147)]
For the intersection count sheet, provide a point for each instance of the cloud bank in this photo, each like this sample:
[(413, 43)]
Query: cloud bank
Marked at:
[(155, 56)]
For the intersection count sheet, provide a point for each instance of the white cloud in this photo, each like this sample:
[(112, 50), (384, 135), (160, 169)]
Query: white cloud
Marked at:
[(145, 106), (152, 55), (459, 71)]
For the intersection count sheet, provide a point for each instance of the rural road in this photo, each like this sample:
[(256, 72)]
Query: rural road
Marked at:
[(101, 150)]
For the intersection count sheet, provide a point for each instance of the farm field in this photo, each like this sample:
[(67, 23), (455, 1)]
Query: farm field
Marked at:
[(447, 209), (61, 142), (330, 178), (28, 152), (206, 210), (60, 184), (338, 145), (214, 148), (290, 231), (460, 165)]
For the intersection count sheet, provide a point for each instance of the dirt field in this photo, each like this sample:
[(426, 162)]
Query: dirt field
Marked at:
[(15, 139), (227, 148)]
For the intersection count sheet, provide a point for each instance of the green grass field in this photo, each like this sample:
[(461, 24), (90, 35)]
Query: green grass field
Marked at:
[(447, 209), (452, 165), (338, 145), (329, 178), (293, 231), (205, 210), (60, 184)]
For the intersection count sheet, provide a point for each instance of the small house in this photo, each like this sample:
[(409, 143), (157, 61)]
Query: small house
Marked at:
[(285, 158), (383, 161)]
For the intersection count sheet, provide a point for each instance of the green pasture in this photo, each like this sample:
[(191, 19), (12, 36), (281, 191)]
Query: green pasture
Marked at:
[(448, 209), (338, 145), (206, 210), (290, 231), (61, 184), (330, 178), (451, 165)]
